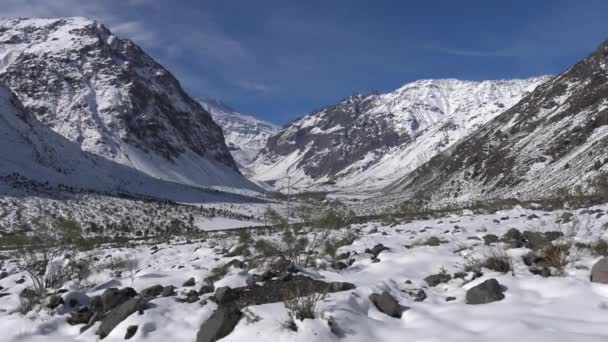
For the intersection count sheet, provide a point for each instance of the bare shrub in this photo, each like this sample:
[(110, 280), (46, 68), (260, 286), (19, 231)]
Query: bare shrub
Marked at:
[(301, 307), (556, 255), (497, 258)]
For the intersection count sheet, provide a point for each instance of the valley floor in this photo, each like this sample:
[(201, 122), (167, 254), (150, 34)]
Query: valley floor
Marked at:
[(563, 307)]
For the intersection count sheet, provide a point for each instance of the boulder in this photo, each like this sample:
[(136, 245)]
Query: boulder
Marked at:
[(235, 263), (119, 314), (168, 291), (219, 324), (387, 304), (190, 282), (131, 331), (536, 240), (490, 239), (487, 292), (206, 288), (376, 250), (436, 279), (152, 291), (113, 297), (599, 271), (225, 294)]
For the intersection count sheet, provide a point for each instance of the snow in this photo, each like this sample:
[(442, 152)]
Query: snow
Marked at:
[(558, 308)]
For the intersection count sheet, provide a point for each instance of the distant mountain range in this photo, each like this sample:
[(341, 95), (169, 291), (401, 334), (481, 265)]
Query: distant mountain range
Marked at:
[(244, 134), (366, 142)]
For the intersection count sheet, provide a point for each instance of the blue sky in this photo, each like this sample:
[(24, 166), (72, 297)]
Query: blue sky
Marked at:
[(279, 60)]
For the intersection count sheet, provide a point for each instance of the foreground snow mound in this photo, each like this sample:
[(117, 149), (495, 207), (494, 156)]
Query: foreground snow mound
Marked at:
[(113, 100), (393, 297)]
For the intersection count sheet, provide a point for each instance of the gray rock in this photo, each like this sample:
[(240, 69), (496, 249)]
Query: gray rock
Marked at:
[(220, 324), (168, 291), (113, 297), (436, 279), (131, 331), (225, 294), (487, 292), (387, 304), (535, 240), (119, 314), (235, 263), (490, 238), (599, 271), (339, 286), (189, 282), (152, 291), (3, 274), (206, 288)]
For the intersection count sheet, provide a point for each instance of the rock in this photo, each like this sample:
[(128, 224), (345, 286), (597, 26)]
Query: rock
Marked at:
[(292, 268), (339, 265), (267, 275), (20, 281), (535, 240), (131, 331), (153, 291), (420, 296), (372, 231), (54, 301), (252, 279), (80, 316), (375, 260), (219, 324), (387, 304), (487, 292), (449, 299), (514, 238), (343, 256), (377, 250), (285, 277), (599, 271), (553, 235), (339, 286), (225, 294), (3, 275), (490, 238), (190, 282), (113, 297), (206, 288), (436, 279), (119, 314), (235, 263), (168, 291)]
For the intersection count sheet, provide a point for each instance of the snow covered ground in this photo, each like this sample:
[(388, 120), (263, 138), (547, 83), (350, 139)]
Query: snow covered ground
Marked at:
[(565, 307)]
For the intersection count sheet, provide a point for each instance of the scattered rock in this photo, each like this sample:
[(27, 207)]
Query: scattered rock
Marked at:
[(190, 282), (225, 294), (339, 265), (599, 271), (487, 292), (376, 250), (339, 286), (131, 331), (168, 291), (3, 274), (20, 281), (219, 324), (113, 297), (285, 277), (343, 256), (372, 231), (420, 296), (119, 314), (490, 239), (535, 240), (267, 275), (449, 299), (54, 301), (206, 288), (153, 291), (235, 263), (436, 279), (387, 304), (514, 238)]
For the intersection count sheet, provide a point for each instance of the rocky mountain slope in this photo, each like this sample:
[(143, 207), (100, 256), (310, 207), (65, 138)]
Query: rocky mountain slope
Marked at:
[(556, 137), (113, 100), (365, 142), (244, 134), (36, 160)]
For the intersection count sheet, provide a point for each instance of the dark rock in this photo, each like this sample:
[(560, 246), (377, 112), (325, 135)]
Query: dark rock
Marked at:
[(267, 275), (252, 279), (343, 256), (339, 265), (554, 235), (375, 260), (220, 324), (113, 297), (535, 240), (285, 277), (119, 314), (387, 304), (225, 294), (4, 294), (190, 282), (168, 291), (436, 279), (80, 316), (490, 239), (372, 231), (599, 271), (235, 263), (339, 286), (377, 250), (131, 331), (460, 275), (486, 292), (449, 299), (3, 274), (514, 238), (207, 288), (20, 281), (292, 268), (54, 301), (420, 296), (152, 291)]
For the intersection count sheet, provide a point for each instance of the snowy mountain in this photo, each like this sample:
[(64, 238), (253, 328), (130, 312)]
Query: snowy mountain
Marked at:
[(244, 134), (34, 159), (365, 142), (554, 138), (113, 100)]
